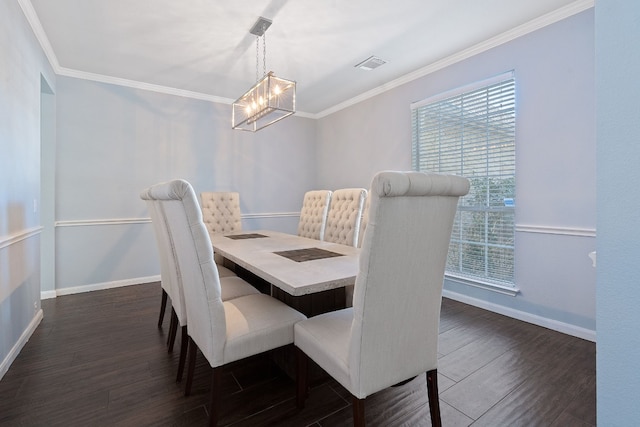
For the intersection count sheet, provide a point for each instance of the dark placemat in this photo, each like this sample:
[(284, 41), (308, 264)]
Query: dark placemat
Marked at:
[(309, 254), (246, 236)]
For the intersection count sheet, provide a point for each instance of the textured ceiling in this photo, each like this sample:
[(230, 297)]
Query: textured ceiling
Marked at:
[(205, 47)]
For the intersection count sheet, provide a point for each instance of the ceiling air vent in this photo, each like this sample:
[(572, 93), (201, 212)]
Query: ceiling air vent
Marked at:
[(370, 63)]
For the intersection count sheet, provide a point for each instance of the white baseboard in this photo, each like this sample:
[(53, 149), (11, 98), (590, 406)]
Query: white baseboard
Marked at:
[(98, 286), (15, 350), (555, 325), (47, 294)]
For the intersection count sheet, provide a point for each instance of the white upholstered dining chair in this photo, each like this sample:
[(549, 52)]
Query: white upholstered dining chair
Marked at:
[(313, 215), (221, 214), (344, 216), (391, 332), (224, 331), (232, 286)]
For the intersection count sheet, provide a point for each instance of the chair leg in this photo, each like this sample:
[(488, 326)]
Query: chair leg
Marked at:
[(193, 349), (216, 380), (173, 330), (434, 401), (184, 344), (302, 374), (358, 411), (163, 306)]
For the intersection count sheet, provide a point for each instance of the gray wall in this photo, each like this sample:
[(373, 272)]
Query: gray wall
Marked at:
[(618, 127), (555, 156), (115, 141), (22, 66)]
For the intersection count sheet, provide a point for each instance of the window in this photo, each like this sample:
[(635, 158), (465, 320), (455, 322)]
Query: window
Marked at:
[(471, 132)]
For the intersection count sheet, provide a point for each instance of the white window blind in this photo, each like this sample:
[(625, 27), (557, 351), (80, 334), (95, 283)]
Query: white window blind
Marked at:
[(472, 134)]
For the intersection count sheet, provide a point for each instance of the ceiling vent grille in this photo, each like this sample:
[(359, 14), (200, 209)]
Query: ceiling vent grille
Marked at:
[(371, 63)]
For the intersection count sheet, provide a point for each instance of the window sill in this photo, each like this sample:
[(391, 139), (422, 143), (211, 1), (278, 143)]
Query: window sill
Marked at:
[(502, 289)]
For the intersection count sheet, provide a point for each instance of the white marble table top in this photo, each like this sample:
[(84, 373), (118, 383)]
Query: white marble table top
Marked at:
[(296, 278)]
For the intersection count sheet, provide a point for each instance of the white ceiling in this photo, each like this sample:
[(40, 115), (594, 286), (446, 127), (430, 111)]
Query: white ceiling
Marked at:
[(204, 46)]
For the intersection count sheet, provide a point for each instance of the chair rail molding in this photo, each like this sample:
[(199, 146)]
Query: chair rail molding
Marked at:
[(6, 241), (105, 221), (144, 220), (564, 231)]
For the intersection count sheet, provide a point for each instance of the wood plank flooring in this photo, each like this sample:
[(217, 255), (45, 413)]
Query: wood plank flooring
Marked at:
[(98, 359)]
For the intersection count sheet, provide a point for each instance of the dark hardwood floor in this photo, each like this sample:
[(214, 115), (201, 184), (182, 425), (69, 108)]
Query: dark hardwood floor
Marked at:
[(98, 359)]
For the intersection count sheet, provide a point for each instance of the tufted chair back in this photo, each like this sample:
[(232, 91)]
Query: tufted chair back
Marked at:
[(345, 214), (221, 214), (221, 211), (313, 215)]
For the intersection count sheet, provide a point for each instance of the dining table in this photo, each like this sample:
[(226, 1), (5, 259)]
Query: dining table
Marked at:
[(309, 275)]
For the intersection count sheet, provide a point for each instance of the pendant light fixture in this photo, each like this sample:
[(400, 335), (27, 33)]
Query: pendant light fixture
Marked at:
[(271, 99)]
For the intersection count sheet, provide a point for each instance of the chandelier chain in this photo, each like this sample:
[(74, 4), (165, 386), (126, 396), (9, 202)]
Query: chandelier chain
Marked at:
[(257, 55), (264, 53)]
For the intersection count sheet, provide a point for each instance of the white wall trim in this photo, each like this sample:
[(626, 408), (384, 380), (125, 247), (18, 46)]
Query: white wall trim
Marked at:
[(14, 238), (271, 215), (47, 294), (15, 350), (101, 78), (555, 325), (106, 221), (99, 286), (127, 221), (564, 231), (512, 291), (548, 19), (38, 30)]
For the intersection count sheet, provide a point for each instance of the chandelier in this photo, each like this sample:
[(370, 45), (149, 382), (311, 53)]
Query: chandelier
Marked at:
[(271, 99)]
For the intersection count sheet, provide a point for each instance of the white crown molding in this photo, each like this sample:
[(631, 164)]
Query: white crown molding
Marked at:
[(536, 24), (68, 72), (167, 90), (38, 30), (14, 238), (550, 18)]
